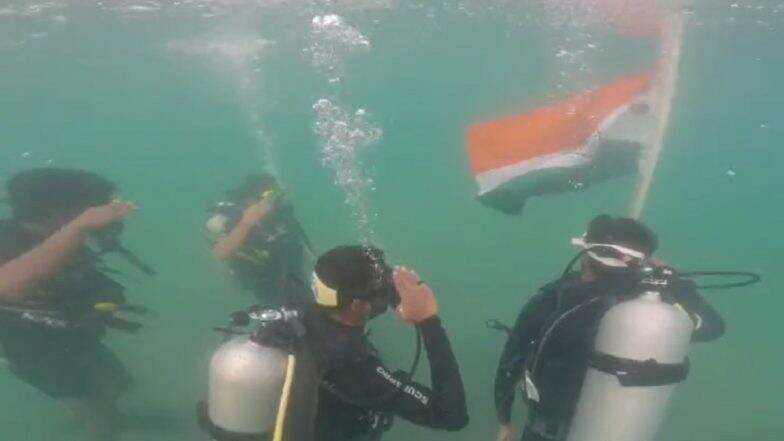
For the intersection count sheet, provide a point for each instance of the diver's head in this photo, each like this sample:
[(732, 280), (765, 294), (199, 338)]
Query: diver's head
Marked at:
[(354, 284), (252, 189), (48, 198), (615, 244)]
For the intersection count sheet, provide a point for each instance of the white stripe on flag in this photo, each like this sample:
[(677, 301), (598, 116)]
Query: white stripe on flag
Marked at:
[(492, 179)]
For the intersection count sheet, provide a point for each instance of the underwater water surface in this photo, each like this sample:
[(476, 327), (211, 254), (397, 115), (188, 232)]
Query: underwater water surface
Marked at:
[(360, 109)]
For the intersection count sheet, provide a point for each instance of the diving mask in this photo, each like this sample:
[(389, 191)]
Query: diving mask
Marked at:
[(610, 255), (226, 208), (233, 208)]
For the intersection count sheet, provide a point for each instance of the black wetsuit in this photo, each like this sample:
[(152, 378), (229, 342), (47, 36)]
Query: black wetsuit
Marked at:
[(64, 358), (358, 391), (272, 255), (563, 361)]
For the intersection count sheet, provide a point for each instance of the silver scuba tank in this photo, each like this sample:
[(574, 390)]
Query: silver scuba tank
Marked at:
[(217, 224), (245, 384), (640, 355)]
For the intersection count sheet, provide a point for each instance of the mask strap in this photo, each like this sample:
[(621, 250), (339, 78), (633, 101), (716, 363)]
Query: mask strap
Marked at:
[(609, 261), (324, 295)]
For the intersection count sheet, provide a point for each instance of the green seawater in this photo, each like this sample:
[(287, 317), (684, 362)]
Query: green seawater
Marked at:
[(168, 100)]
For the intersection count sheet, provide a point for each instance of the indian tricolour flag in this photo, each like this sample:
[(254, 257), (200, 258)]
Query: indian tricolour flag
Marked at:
[(569, 135), (614, 129)]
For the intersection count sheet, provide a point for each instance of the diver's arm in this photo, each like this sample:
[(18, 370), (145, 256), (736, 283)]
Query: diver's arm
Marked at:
[(708, 324), (226, 247), (516, 351), (447, 405), (19, 275), (443, 406), (371, 385)]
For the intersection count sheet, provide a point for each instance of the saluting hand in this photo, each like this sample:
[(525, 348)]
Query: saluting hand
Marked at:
[(417, 301), (96, 218), (258, 211)]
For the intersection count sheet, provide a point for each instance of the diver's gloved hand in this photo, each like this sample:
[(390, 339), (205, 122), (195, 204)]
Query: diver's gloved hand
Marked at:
[(97, 218), (259, 210), (417, 301)]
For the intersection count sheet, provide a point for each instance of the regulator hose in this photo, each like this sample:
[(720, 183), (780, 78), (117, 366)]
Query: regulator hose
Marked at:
[(497, 325), (750, 279), (135, 260)]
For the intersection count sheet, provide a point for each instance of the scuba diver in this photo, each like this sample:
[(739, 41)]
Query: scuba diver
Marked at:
[(256, 232), (557, 337), (56, 297), (338, 388)]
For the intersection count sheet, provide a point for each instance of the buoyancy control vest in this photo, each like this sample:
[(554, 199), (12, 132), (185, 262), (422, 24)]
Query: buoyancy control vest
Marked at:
[(275, 248), (82, 298)]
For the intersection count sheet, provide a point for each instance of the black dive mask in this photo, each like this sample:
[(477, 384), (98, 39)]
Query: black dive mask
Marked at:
[(234, 210), (382, 293)]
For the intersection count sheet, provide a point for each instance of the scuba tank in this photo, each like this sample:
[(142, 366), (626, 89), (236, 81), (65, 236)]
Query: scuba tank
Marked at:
[(640, 355), (223, 217), (251, 376), (218, 224), (245, 383), (639, 351)]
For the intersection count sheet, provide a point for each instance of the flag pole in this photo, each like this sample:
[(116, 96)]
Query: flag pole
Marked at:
[(672, 42)]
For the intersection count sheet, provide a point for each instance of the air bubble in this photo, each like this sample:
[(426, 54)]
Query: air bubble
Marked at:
[(343, 137), (332, 40)]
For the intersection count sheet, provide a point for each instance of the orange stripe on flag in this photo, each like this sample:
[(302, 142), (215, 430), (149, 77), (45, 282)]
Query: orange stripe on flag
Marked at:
[(550, 130)]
